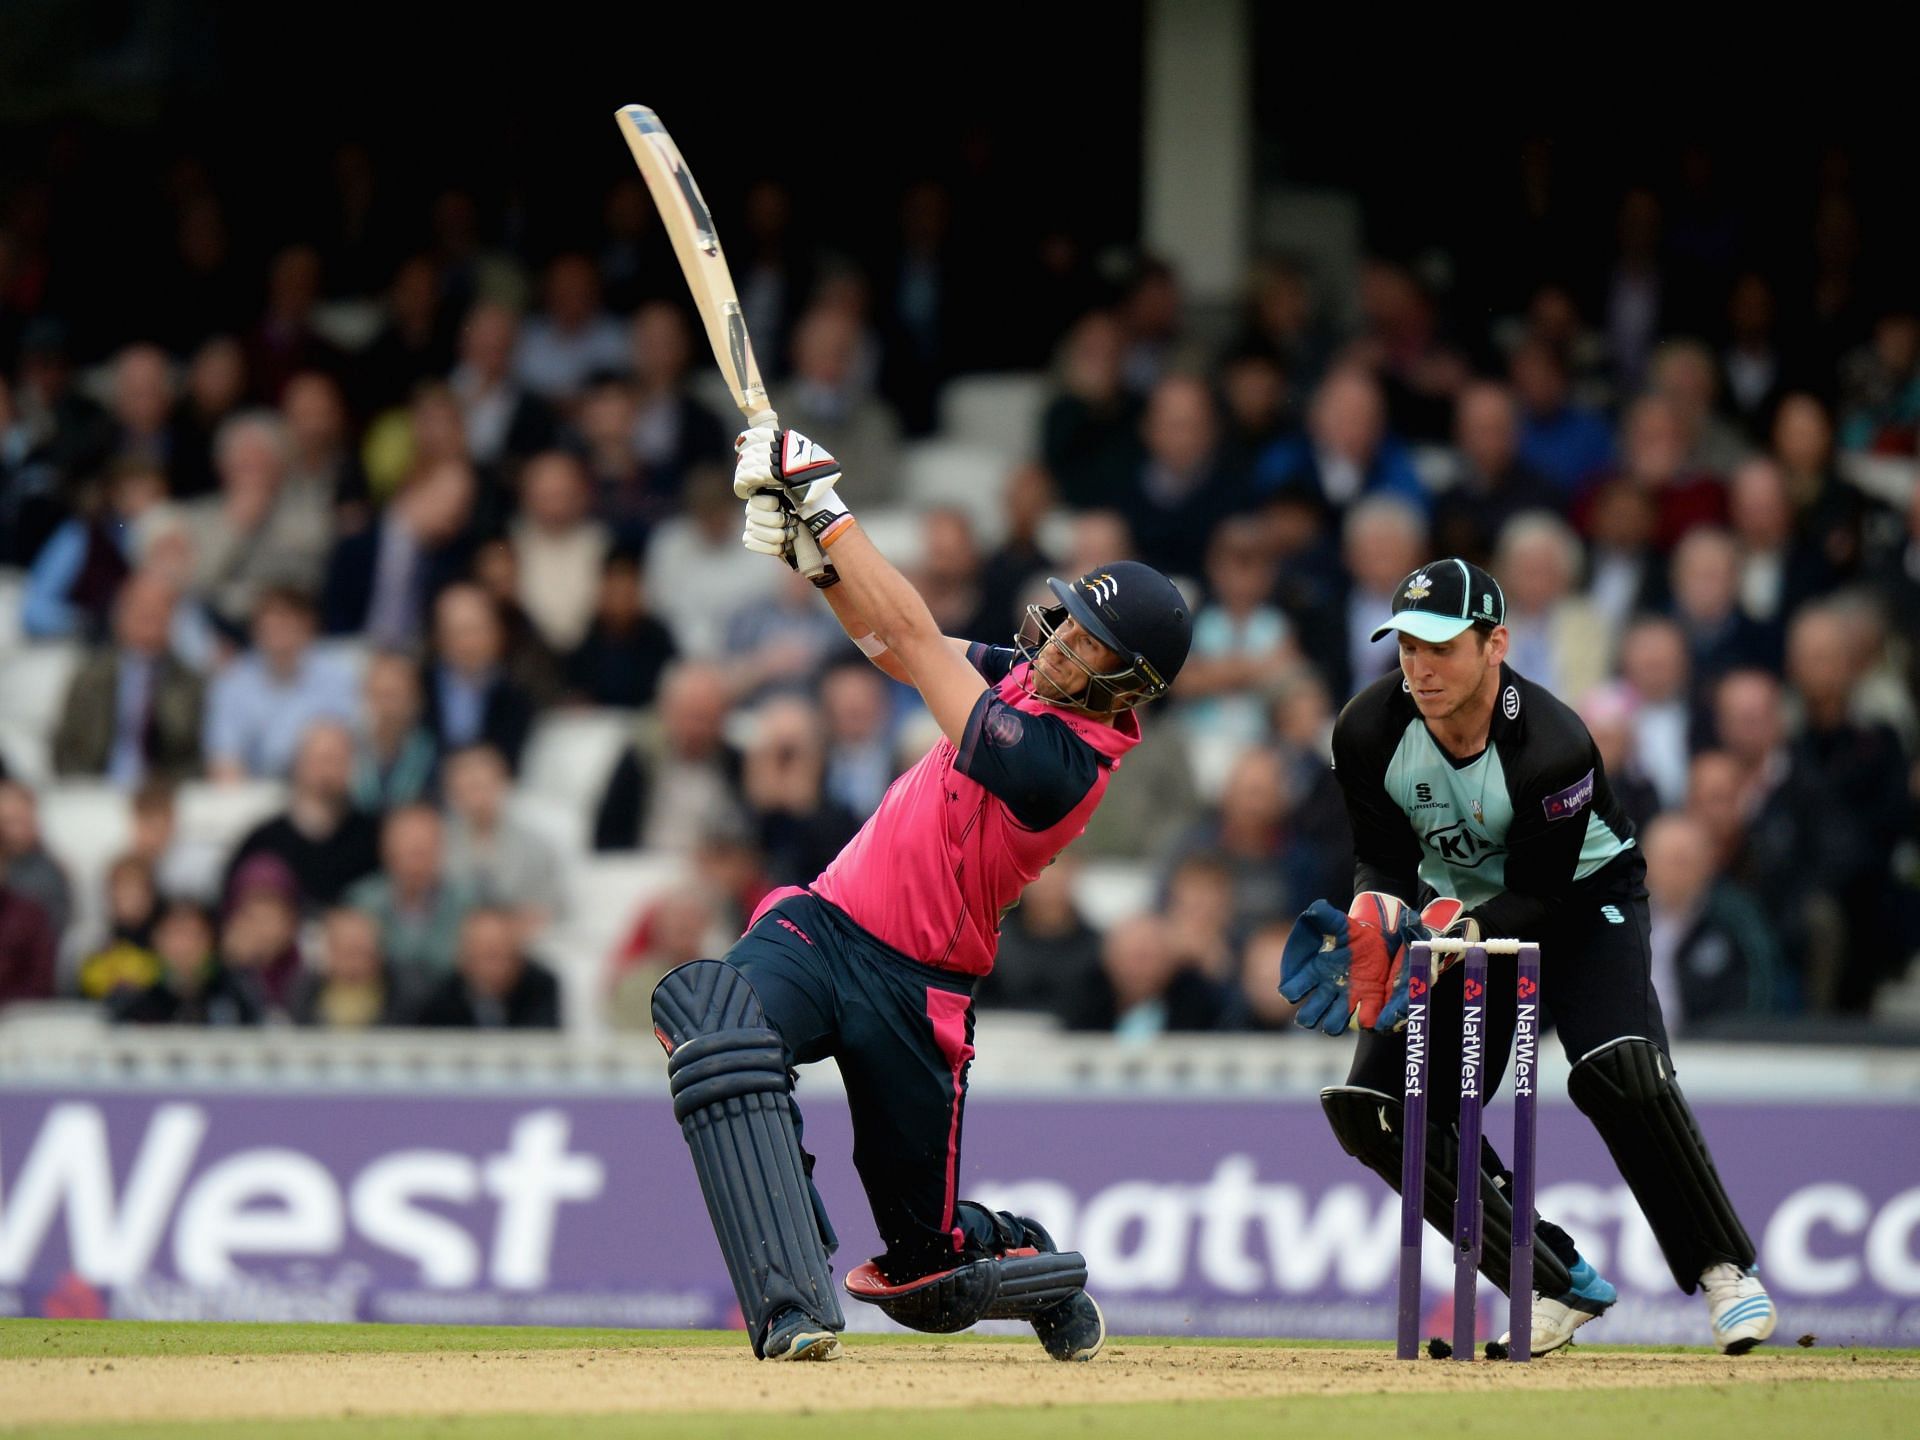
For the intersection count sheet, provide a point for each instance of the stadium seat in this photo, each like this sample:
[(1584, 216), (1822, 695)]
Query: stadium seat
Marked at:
[(605, 894), (86, 824), (966, 477), (1109, 891), (13, 588), (210, 820), (896, 533), (36, 686), (570, 755), (998, 412)]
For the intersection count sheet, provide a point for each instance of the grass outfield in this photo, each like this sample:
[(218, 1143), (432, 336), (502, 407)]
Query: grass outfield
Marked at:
[(1347, 1391)]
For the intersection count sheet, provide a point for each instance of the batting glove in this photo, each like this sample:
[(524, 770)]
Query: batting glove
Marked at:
[(788, 462), (1313, 969), (772, 530)]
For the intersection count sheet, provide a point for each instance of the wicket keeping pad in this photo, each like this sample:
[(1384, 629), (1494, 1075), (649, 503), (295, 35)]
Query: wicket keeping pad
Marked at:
[(1368, 1125), (1025, 1275), (727, 1070), (1627, 1089)]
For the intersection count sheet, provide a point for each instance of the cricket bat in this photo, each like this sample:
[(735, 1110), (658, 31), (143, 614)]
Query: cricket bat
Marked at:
[(689, 224)]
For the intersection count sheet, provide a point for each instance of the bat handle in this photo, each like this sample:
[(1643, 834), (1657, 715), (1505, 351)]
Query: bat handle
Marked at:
[(806, 550)]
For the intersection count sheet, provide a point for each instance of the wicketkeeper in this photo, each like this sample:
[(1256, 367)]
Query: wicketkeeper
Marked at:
[(1477, 795), (874, 963)]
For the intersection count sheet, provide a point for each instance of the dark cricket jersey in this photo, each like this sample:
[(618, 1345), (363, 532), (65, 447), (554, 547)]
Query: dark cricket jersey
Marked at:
[(1512, 832)]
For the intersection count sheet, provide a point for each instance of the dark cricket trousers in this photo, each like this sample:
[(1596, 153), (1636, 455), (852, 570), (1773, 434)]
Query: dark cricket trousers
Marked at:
[(1596, 986), (902, 1034)]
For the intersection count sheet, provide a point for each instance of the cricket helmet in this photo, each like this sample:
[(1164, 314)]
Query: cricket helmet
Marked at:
[(1130, 608)]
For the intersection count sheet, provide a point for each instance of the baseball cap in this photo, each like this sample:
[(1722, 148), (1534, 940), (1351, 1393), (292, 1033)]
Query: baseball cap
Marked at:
[(1439, 601)]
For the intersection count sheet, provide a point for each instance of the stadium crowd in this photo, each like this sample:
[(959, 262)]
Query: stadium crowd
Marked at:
[(371, 560)]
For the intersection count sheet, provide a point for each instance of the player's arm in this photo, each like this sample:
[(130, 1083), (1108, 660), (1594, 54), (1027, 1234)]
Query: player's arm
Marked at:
[(1385, 850), (865, 590)]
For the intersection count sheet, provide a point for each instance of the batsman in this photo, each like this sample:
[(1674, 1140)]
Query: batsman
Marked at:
[(1480, 808), (874, 962)]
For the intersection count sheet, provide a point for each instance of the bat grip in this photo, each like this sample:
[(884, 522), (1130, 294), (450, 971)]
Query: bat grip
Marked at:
[(806, 550)]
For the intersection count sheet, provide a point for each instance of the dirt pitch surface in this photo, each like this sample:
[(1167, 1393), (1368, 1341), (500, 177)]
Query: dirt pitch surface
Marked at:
[(695, 1379)]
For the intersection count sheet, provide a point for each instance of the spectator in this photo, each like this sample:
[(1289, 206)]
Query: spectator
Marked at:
[(1852, 780), (626, 496), (155, 841), (826, 399), (1716, 799), (1283, 323), (679, 778), (1303, 736), (799, 829), (1242, 643), (216, 390), (1153, 800), (1021, 557), (950, 575), (1827, 511), (1714, 957), (1706, 602), (195, 988), (1779, 572), (1493, 483), (1752, 369), (671, 432), (353, 988), (696, 573), (382, 580), (502, 422), (529, 662), (324, 841), (1625, 576), (1562, 440), (1049, 957), (560, 549), (1635, 292), (1656, 669), (414, 343), (260, 705), (572, 339), (323, 472), (1147, 988), (133, 708), (285, 341), (1346, 453), (489, 853), (1151, 320), (259, 932), (1421, 376), (1654, 462), (1607, 712), (1684, 372), (857, 708), (1199, 911), (469, 697), (394, 756), (125, 960), (677, 926), (417, 906), (625, 650), (254, 535), (1180, 489), (28, 942), (1090, 429), (1266, 1009), (1881, 384), (31, 870), (1247, 831), (494, 986), (142, 407), (1556, 637), (1258, 406), (77, 574), (1382, 540)]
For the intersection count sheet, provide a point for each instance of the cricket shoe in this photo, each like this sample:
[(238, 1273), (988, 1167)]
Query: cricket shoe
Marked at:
[(1555, 1318), (1072, 1330), (1742, 1311), (796, 1335)]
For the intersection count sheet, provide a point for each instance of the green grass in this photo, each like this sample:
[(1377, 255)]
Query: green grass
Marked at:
[(1862, 1411)]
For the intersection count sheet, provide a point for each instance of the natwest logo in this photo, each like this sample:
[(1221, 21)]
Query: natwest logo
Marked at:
[(279, 1204)]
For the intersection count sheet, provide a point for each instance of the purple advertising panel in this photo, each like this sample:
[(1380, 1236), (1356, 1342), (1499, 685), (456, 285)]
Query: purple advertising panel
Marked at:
[(1228, 1217)]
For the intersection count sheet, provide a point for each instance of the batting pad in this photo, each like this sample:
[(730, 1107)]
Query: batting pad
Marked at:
[(1367, 1123), (728, 1074), (1627, 1089)]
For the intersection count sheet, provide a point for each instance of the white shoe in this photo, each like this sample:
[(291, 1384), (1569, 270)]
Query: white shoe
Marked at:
[(1553, 1324), (1741, 1310)]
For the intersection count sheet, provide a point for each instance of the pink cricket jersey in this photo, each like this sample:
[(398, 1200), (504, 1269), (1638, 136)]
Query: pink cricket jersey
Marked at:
[(943, 858)]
